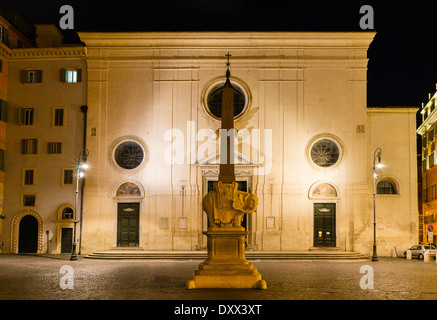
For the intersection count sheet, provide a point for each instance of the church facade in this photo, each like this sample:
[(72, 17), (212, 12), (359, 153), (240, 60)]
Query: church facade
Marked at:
[(305, 142)]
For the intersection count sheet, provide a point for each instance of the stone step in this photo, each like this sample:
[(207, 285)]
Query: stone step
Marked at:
[(250, 255)]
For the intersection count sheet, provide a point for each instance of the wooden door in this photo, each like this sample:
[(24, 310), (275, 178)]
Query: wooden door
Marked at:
[(324, 225), (128, 225)]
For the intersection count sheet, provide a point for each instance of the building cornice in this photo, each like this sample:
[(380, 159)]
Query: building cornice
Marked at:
[(428, 122), (357, 40), (392, 109), (48, 53)]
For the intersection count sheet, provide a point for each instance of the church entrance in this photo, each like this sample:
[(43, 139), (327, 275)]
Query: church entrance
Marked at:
[(324, 225), (128, 224), (28, 235)]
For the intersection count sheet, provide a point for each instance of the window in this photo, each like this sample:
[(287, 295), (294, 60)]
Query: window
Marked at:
[(431, 135), (67, 177), (58, 117), (325, 152), (215, 101), (71, 75), (26, 116), (129, 155), (54, 147), (29, 177), (212, 98), (4, 35), (29, 146), (430, 193), (29, 200), (385, 187), (3, 111), (1, 65), (31, 76), (431, 160), (67, 213)]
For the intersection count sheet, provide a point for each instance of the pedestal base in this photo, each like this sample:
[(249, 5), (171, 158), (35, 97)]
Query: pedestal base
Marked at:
[(226, 265)]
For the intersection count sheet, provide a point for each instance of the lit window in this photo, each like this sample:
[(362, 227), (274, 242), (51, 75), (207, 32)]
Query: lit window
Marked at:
[(71, 75)]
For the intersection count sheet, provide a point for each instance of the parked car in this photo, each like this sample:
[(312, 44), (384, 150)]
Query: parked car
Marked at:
[(418, 251)]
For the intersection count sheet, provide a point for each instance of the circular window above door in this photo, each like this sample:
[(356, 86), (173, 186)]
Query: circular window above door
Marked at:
[(325, 152), (212, 98), (129, 154)]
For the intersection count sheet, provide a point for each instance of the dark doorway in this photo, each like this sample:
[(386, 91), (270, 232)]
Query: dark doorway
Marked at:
[(242, 186), (324, 225), (28, 235), (128, 229), (67, 240)]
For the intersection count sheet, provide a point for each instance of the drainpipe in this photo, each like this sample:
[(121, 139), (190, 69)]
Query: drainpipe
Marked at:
[(84, 110)]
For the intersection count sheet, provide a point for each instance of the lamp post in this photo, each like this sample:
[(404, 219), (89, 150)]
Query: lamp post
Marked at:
[(79, 174), (376, 156)]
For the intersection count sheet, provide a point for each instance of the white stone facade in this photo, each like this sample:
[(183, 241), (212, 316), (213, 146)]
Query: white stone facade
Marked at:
[(303, 93), (300, 87)]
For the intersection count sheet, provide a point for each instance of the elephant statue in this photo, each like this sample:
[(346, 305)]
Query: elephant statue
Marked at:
[(226, 205)]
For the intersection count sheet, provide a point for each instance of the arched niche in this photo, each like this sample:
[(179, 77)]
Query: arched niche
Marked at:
[(323, 190), (128, 189)]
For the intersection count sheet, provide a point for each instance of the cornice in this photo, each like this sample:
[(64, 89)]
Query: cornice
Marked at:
[(392, 109), (357, 40), (5, 50), (48, 53)]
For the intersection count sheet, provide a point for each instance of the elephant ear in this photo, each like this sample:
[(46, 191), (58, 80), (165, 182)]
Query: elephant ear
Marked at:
[(245, 202)]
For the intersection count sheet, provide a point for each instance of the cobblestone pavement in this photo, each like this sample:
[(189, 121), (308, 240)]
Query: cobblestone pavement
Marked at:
[(40, 278)]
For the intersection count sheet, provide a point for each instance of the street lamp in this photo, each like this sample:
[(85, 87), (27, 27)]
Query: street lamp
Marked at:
[(376, 157), (79, 174)]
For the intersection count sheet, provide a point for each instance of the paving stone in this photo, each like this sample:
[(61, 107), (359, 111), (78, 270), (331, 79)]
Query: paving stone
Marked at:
[(39, 278)]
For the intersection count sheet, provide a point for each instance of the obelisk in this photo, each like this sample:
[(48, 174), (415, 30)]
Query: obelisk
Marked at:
[(226, 265), (226, 173)]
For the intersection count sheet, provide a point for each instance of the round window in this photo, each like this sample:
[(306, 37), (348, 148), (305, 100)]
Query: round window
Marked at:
[(129, 155), (325, 152), (214, 94)]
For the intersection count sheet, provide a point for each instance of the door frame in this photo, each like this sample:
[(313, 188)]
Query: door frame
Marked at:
[(136, 201), (15, 226), (335, 228)]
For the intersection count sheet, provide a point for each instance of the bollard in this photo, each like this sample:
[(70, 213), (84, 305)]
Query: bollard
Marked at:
[(426, 256), (409, 256)]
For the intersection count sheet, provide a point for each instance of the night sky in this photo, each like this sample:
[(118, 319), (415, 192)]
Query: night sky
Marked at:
[(403, 56)]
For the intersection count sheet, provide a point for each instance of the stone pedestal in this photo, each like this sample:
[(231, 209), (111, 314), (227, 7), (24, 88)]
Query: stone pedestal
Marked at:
[(226, 265)]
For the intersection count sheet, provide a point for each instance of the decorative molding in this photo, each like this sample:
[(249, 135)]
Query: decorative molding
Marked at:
[(44, 53), (15, 229)]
